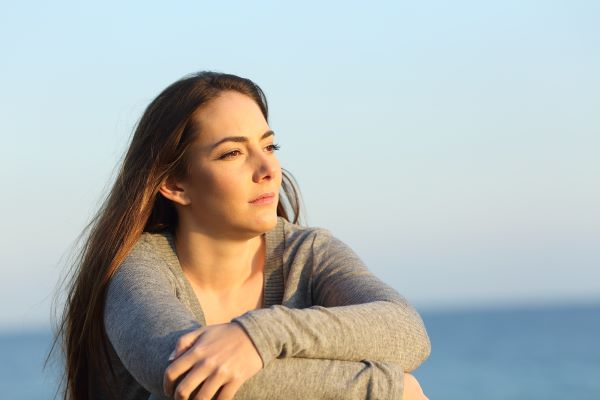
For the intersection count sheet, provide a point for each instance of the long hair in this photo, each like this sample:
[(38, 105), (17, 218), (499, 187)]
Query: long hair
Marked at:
[(158, 150)]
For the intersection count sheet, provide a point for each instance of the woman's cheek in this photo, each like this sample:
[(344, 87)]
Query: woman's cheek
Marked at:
[(230, 188)]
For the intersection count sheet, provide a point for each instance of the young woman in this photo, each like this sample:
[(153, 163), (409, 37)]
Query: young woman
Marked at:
[(196, 282)]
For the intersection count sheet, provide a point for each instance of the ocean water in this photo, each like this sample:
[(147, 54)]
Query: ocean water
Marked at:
[(545, 353)]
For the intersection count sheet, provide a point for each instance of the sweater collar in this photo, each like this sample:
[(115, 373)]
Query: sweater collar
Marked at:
[(273, 270)]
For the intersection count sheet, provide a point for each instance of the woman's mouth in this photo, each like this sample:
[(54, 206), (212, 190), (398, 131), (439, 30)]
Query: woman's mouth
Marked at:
[(265, 198)]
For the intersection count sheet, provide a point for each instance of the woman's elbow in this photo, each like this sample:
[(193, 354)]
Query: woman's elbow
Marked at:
[(424, 349), (421, 344), (416, 338)]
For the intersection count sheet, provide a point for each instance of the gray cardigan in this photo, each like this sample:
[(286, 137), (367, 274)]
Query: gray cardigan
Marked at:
[(328, 328)]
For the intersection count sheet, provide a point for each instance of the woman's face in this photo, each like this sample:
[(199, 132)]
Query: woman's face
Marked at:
[(227, 174)]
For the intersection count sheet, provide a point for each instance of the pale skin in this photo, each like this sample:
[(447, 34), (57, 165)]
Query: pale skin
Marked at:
[(220, 245)]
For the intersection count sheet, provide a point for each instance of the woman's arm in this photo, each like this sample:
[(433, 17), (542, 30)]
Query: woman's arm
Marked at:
[(357, 315), (143, 320), (305, 378)]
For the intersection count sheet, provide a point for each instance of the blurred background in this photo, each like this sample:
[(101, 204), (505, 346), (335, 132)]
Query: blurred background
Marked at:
[(454, 145)]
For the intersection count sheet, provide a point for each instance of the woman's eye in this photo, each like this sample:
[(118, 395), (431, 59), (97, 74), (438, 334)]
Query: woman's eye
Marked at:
[(274, 146), (229, 155)]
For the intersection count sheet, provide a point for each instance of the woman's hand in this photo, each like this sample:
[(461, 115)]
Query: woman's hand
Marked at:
[(212, 357), (412, 389)]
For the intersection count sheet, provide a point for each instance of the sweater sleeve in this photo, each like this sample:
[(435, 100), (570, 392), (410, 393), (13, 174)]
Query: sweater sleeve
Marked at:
[(356, 316), (144, 318), (305, 378)]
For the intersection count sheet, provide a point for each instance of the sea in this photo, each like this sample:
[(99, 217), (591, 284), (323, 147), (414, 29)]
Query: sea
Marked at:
[(547, 353)]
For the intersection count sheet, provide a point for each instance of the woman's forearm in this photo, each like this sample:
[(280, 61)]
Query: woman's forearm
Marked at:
[(379, 330), (304, 378)]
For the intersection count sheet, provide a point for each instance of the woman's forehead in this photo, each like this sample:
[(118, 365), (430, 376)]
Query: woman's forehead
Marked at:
[(230, 114)]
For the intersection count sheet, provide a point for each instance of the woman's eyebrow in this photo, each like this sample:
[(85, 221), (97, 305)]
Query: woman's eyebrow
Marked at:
[(240, 139)]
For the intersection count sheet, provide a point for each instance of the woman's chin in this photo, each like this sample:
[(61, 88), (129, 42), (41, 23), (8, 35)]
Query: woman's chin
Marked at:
[(266, 221)]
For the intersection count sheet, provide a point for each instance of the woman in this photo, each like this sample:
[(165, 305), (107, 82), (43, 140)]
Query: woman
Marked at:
[(194, 281)]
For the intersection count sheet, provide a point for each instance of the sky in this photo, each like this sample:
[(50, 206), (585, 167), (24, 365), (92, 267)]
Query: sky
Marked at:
[(453, 145)]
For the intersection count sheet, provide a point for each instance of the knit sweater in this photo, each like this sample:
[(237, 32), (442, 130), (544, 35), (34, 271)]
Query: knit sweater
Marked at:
[(328, 328)]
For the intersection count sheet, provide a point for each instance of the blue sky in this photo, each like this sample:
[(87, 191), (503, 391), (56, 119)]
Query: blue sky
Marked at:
[(453, 145)]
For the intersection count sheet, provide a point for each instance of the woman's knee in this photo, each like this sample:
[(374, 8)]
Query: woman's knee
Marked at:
[(412, 389)]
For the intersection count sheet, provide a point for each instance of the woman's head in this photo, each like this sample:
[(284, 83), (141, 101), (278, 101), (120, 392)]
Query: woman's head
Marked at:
[(230, 162), (170, 176), (169, 147)]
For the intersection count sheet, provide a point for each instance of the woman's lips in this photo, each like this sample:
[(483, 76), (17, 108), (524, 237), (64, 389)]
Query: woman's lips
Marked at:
[(266, 198)]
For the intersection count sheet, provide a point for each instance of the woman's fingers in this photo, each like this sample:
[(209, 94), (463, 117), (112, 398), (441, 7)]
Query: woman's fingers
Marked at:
[(230, 389), (183, 363), (211, 385), (223, 354), (193, 379), (204, 381)]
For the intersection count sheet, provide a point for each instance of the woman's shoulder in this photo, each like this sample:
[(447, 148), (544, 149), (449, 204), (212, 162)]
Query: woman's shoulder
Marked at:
[(152, 251), (146, 268), (153, 245)]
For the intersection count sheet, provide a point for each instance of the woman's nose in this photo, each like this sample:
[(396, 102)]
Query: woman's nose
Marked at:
[(266, 166)]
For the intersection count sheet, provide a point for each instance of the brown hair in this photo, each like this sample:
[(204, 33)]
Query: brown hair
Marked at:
[(158, 150)]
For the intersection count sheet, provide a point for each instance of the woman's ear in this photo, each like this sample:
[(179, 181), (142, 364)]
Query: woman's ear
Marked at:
[(175, 191)]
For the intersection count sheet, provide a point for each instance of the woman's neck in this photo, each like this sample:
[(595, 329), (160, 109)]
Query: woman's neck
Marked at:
[(217, 265)]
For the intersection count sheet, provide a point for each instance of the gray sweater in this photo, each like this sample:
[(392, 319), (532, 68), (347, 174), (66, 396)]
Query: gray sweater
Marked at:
[(328, 328)]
